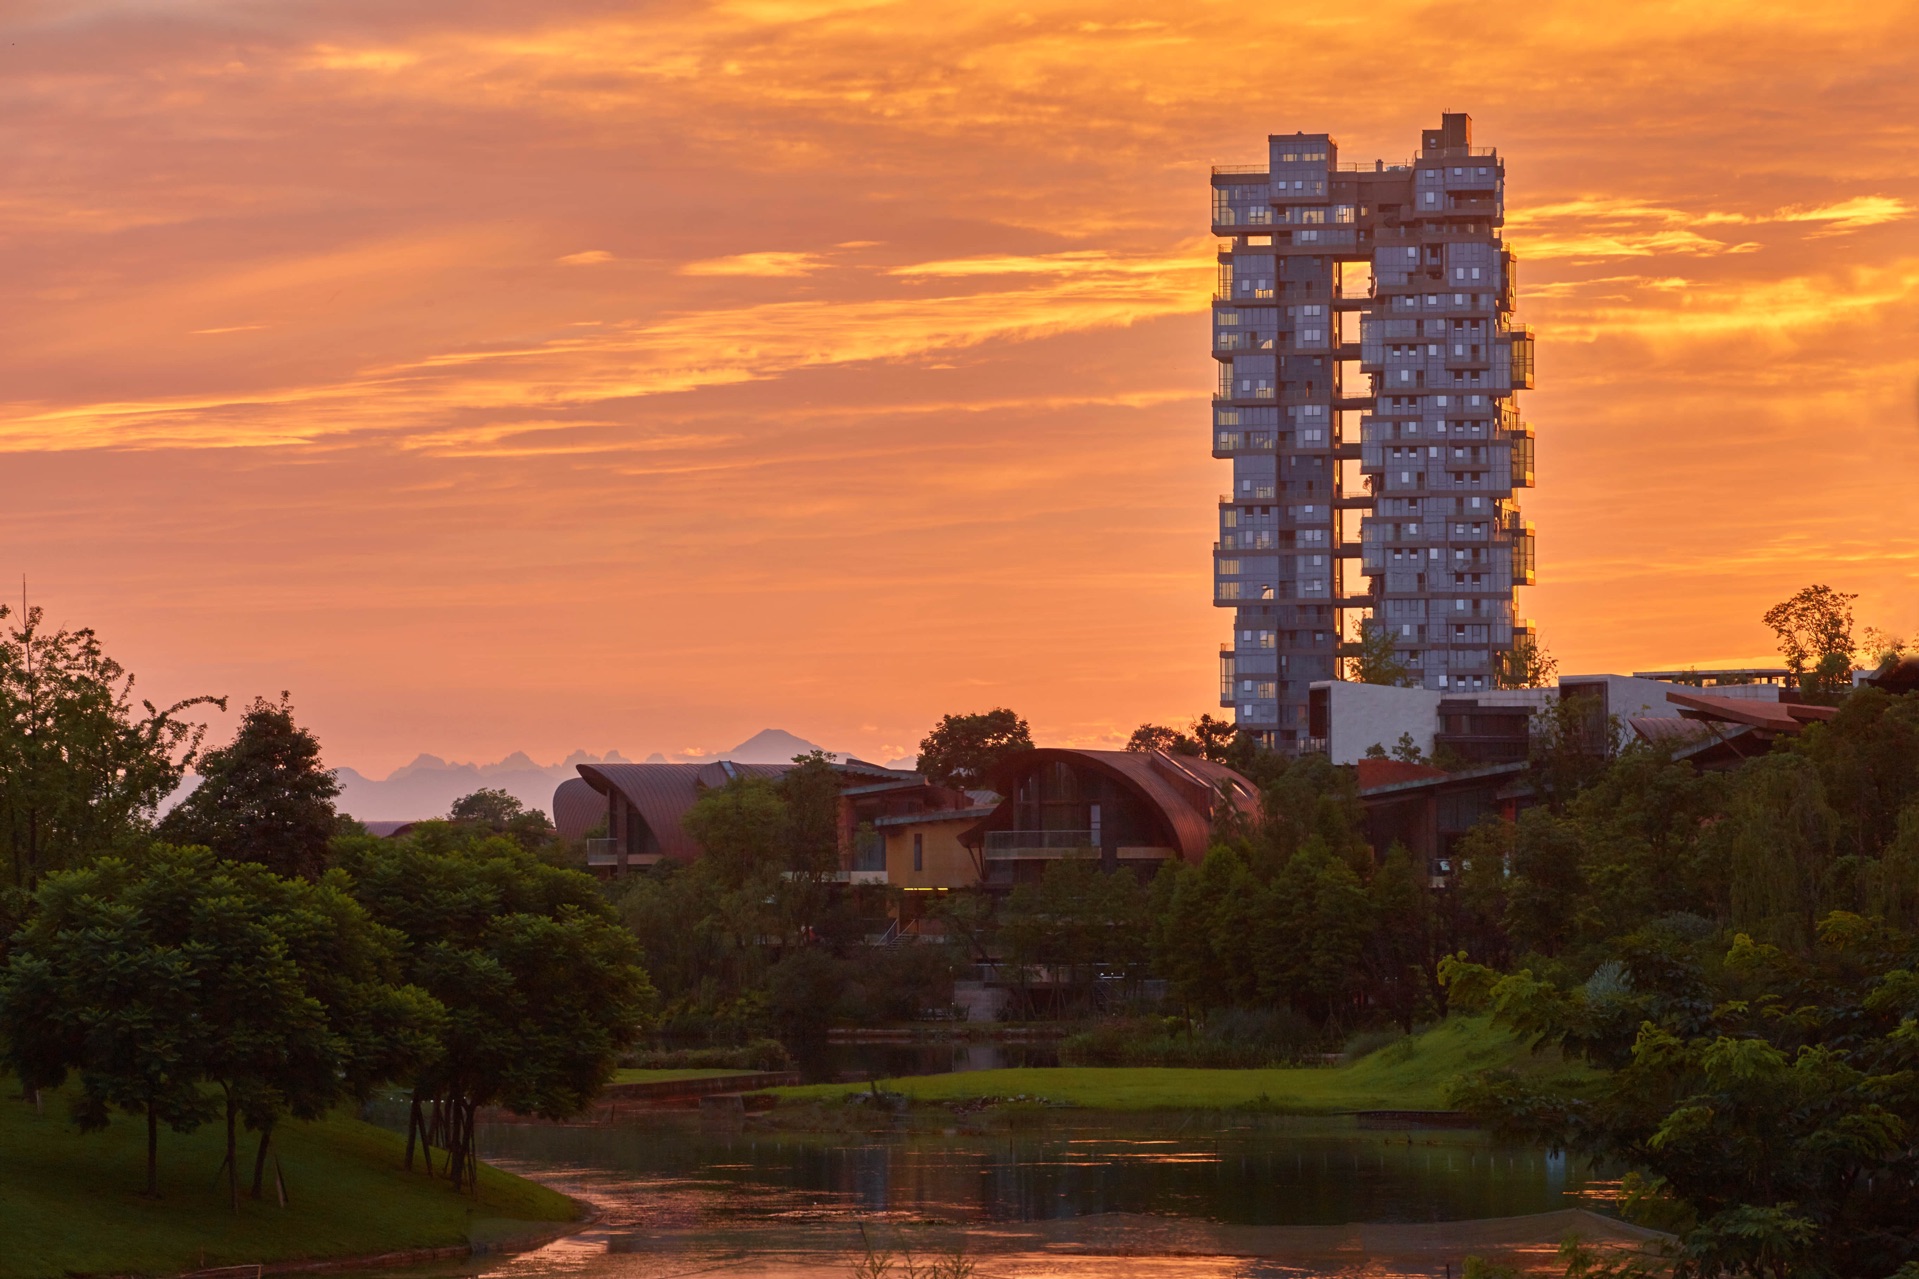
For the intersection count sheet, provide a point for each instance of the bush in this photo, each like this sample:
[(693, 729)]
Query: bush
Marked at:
[(1228, 1039)]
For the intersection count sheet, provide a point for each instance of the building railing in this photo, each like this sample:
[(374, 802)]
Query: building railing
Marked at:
[(1014, 845), (602, 852)]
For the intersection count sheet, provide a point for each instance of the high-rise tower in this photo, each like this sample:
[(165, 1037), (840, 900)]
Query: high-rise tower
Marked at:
[(1367, 371)]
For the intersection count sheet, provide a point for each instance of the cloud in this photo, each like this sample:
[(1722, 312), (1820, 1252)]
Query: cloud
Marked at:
[(587, 258), (770, 265)]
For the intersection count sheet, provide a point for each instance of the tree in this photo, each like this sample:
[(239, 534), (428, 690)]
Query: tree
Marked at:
[(1526, 664), (491, 811), (93, 987), (151, 978), (1768, 1094), (962, 750), (1158, 737), (531, 964), (1372, 659), (263, 797), (1814, 629), (81, 770)]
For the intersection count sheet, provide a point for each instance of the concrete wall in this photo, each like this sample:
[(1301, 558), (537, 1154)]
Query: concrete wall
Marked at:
[(1362, 715)]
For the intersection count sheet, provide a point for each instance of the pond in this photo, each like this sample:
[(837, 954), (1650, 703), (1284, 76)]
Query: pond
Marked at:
[(1029, 1193)]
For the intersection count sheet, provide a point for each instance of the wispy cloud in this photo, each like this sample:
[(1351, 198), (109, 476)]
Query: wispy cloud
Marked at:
[(772, 265), (588, 257)]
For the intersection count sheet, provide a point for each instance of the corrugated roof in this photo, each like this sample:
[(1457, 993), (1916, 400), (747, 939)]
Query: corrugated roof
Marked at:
[(577, 808), (1779, 717), (1183, 788), (665, 793)]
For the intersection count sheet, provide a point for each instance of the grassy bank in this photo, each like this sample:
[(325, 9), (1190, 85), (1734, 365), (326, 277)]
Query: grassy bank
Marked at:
[(1409, 1075), (70, 1203), (631, 1075)]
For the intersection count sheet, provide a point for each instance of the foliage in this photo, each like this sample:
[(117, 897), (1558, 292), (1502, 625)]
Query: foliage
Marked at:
[(263, 797), (1372, 657), (74, 1207), (1814, 629), (1081, 924), (1771, 1092), (1526, 664), (492, 811), (81, 769), (537, 977), (1413, 1077), (962, 750), (1205, 737), (152, 978)]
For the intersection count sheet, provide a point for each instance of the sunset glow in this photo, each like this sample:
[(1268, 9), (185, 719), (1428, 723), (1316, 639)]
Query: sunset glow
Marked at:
[(573, 375)]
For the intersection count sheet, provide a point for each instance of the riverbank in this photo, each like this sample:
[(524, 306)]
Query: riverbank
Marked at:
[(1410, 1075), (70, 1202)]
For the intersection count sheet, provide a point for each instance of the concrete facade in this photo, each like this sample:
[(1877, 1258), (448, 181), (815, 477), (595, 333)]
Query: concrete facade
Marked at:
[(1367, 372)]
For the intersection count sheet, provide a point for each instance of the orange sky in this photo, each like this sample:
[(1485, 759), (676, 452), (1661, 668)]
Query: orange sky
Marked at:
[(539, 376)]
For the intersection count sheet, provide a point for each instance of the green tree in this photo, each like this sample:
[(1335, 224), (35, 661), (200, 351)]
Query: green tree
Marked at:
[(1526, 664), (1371, 657), (1768, 1093), (742, 828), (1814, 630), (1158, 737), (491, 811), (963, 749), (81, 768), (94, 986), (1400, 961), (264, 797), (531, 964), (811, 792), (150, 978)]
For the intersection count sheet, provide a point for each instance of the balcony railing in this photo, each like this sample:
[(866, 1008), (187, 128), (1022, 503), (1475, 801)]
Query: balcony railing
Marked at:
[(602, 852), (1016, 845)]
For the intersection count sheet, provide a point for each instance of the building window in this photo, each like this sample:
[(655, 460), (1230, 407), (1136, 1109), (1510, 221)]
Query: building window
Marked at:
[(919, 852)]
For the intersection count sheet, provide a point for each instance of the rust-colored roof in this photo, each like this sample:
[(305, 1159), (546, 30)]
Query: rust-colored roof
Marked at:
[(1777, 717), (1387, 772), (1898, 674), (1183, 788), (577, 808), (665, 793)]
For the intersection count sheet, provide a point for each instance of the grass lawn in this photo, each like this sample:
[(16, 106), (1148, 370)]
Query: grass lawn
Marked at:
[(70, 1203), (1409, 1075), (631, 1076)]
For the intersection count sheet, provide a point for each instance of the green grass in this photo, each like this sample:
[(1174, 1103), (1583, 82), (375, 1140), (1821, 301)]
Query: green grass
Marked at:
[(633, 1076), (70, 1203), (1409, 1075)]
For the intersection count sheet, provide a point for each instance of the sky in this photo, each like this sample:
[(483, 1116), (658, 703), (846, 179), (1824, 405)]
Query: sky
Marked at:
[(569, 375)]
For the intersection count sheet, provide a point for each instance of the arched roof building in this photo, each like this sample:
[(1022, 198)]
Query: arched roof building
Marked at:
[(1125, 808)]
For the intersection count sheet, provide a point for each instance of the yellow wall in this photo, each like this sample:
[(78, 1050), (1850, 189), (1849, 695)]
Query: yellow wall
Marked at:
[(947, 863)]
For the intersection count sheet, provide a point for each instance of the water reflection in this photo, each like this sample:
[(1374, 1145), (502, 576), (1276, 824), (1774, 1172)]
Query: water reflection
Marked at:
[(1062, 1194), (1256, 1171)]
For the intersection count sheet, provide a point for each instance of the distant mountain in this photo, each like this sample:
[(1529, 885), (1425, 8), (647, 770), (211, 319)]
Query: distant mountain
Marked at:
[(768, 746), (427, 786)]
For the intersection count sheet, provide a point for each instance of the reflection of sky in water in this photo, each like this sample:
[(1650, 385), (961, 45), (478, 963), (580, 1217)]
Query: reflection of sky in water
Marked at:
[(1070, 1197)]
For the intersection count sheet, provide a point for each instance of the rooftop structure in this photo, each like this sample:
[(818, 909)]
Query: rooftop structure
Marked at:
[(1367, 371), (1123, 809)]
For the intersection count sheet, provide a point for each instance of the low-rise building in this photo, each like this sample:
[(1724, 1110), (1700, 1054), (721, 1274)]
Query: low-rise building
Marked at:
[(1124, 809)]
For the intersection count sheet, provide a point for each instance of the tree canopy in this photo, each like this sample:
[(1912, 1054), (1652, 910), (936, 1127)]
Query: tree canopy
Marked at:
[(82, 768), (264, 797), (963, 749), (529, 960), (1814, 630)]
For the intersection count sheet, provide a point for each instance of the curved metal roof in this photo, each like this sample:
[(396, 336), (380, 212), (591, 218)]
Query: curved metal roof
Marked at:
[(577, 808), (1184, 789), (663, 794)]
